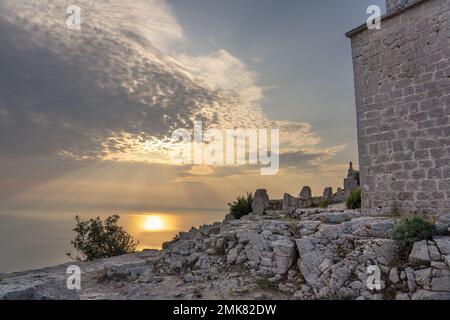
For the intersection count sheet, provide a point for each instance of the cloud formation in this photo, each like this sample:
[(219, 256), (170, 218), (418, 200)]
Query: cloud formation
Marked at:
[(121, 84)]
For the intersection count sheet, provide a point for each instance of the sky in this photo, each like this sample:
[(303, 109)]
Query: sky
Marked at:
[(86, 116)]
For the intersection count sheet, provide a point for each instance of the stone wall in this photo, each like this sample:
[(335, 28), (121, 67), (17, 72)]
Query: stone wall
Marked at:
[(402, 84)]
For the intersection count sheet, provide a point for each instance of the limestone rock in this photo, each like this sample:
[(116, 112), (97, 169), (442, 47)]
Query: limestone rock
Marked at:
[(430, 295), (440, 280), (393, 276), (307, 228), (335, 217), (260, 202), (328, 194), (306, 193), (419, 254), (443, 244), (284, 251), (290, 203)]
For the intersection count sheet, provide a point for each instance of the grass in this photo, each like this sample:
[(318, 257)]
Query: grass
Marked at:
[(325, 204), (354, 199)]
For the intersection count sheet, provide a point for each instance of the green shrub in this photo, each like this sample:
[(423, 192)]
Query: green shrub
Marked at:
[(354, 199), (409, 230), (325, 204), (242, 206), (96, 239)]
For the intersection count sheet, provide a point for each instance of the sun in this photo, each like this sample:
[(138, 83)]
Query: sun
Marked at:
[(154, 223)]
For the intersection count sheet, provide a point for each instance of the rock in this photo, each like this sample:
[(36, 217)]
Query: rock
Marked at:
[(447, 260), (335, 217), (328, 194), (190, 278), (443, 223), (384, 251), (260, 202), (339, 196), (373, 228), (311, 257), (229, 217), (284, 251), (393, 276), (423, 277), (306, 193), (402, 296), (276, 279), (434, 252), (440, 280), (430, 295), (410, 279), (290, 203), (439, 265), (443, 244), (419, 254), (233, 254), (402, 275), (51, 290), (307, 228)]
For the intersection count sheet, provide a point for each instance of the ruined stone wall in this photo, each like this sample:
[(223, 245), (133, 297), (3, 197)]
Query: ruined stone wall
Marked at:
[(402, 84)]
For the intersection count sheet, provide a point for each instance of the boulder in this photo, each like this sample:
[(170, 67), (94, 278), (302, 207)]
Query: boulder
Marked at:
[(284, 255), (419, 254), (328, 193), (440, 280), (443, 244), (290, 203), (307, 228), (423, 277), (393, 276), (305, 194), (49, 290), (260, 202), (430, 295), (335, 217)]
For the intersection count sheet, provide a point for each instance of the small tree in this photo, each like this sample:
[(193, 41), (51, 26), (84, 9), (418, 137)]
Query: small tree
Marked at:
[(96, 239), (242, 206), (354, 199)]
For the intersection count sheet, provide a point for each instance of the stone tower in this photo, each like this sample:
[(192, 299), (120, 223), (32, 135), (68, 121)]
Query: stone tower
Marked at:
[(402, 90)]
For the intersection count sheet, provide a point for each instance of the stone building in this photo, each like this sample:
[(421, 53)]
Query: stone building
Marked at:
[(402, 86)]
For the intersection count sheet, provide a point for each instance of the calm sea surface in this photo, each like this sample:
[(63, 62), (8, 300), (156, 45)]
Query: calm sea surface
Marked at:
[(35, 240)]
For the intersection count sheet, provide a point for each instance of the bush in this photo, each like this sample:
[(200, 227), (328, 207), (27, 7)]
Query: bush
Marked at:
[(354, 199), (96, 239), (409, 230), (242, 206), (325, 204)]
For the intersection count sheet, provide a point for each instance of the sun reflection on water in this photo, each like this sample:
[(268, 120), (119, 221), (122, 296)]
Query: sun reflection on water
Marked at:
[(155, 223)]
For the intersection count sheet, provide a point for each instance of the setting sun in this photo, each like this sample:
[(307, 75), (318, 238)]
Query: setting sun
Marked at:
[(154, 223)]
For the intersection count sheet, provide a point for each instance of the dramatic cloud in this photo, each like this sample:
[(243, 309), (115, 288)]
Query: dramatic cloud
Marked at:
[(117, 89)]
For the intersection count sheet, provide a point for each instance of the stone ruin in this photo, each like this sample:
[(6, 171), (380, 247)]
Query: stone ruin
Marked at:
[(305, 199)]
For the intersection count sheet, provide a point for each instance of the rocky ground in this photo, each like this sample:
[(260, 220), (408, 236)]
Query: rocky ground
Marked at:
[(310, 254)]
